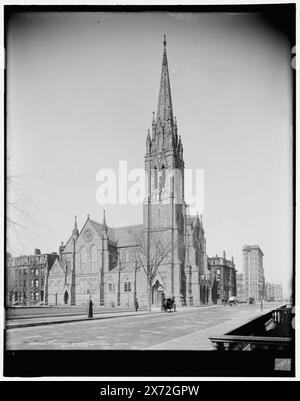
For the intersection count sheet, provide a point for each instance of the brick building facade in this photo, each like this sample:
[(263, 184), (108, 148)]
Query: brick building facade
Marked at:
[(223, 277), (25, 278)]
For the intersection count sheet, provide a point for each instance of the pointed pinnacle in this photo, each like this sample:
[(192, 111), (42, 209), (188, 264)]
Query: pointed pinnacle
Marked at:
[(164, 108)]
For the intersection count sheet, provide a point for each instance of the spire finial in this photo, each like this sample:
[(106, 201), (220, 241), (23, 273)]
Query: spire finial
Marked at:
[(104, 222), (164, 108), (75, 229), (88, 216)]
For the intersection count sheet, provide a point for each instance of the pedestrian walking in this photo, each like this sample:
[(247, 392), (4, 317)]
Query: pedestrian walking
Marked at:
[(90, 309), (136, 305)]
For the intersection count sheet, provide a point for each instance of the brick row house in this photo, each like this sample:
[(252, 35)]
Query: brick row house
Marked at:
[(26, 278)]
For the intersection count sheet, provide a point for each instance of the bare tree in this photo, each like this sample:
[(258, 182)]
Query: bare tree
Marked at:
[(21, 212), (150, 258), (120, 268)]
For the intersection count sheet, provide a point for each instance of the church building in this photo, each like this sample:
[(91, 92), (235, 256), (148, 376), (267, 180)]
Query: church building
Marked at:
[(163, 257)]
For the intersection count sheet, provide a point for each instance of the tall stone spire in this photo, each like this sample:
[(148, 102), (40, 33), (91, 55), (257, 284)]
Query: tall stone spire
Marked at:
[(104, 226), (75, 229), (164, 108)]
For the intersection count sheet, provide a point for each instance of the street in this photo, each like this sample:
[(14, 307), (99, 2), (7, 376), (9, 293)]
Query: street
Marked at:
[(187, 329)]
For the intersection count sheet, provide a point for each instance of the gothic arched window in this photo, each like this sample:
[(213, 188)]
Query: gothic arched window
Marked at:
[(94, 253), (197, 258), (127, 285), (83, 255)]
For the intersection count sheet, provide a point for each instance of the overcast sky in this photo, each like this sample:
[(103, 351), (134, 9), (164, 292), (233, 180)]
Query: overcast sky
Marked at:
[(81, 88)]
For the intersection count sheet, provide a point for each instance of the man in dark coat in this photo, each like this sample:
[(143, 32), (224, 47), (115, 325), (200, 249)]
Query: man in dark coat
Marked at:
[(90, 311), (136, 304)]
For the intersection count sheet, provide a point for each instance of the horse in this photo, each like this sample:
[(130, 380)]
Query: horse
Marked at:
[(168, 304)]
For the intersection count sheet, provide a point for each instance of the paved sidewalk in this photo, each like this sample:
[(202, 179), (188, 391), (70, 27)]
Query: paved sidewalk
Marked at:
[(199, 340), (46, 320), (14, 324), (187, 329)]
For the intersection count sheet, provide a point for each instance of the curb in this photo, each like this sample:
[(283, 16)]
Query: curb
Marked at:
[(45, 323), (28, 317), (83, 319)]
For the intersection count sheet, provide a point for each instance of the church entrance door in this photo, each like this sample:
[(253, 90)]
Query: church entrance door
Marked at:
[(66, 298), (157, 294)]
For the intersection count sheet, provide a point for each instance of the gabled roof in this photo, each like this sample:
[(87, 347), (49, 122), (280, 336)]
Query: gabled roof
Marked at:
[(99, 228), (128, 236), (53, 269), (123, 236)]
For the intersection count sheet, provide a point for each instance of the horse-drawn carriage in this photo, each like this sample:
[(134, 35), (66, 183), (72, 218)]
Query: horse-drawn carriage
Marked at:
[(232, 301), (168, 304)]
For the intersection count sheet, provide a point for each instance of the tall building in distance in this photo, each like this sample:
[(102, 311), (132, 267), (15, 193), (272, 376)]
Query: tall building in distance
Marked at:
[(253, 270), (240, 290), (274, 292), (270, 292), (278, 292)]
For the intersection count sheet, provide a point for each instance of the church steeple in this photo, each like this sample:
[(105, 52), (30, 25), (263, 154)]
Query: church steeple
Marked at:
[(164, 144), (164, 108), (75, 231), (164, 205), (104, 226)]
